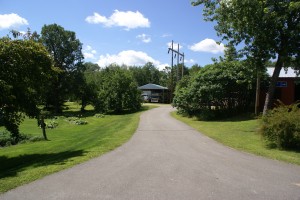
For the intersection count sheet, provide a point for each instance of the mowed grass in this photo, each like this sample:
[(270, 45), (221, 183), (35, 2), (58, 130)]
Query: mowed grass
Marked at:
[(240, 133), (68, 145)]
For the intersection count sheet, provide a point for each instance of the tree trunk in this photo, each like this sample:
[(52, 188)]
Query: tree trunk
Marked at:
[(43, 126), (257, 93), (270, 95)]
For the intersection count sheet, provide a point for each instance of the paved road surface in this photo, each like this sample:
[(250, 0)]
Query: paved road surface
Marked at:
[(168, 160)]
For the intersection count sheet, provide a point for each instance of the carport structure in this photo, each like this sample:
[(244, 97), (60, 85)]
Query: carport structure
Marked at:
[(154, 93)]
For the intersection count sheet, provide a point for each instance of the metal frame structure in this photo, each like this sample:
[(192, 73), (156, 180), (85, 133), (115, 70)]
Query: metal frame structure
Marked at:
[(180, 56)]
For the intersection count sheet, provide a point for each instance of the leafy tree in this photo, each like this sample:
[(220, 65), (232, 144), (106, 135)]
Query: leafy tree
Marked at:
[(194, 69), (118, 91), (146, 74), (66, 52), (230, 53), (271, 27), (91, 67), (218, 90), (25, 67), (86, 90)]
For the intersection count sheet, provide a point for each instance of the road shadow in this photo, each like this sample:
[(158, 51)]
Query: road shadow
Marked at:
[(11, 166)]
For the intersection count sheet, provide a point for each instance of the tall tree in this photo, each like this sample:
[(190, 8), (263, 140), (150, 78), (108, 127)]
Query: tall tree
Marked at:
[(67, 55), (218, 90), (25, 67), (118, 90), (272, 26), (230, 53)]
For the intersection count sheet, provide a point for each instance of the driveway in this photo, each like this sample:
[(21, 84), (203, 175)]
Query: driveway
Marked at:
[(168, 160)]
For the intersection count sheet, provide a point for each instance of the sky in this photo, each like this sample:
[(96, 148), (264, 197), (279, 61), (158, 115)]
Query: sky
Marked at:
[(130, 32)]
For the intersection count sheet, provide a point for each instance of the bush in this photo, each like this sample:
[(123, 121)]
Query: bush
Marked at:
[(99, 115), (76, 120), (281, 126), (7, 140), (51, 124), (219, 90)]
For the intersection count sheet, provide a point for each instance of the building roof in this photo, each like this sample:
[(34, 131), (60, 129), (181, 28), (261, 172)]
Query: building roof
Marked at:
[(289, 73), (151, 86)]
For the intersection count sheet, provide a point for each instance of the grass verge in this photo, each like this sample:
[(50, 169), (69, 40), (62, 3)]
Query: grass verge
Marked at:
[(240, 133), (69, 144)]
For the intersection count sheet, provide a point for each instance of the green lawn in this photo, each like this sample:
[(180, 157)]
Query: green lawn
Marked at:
[(241, 134), (68, 144)]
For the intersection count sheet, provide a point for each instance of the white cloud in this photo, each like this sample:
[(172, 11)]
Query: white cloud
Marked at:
[(89, 52), (145, 38), (11, 20), (175, 45), (208, 45), (129, 20), (129, 58), (88, 55), (96, 19), (191, 61), (162, 66)]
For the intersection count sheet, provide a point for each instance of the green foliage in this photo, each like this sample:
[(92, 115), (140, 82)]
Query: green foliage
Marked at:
[(146, 74), (117, 90), (268, 28), (240, 132), (51, 124), (216, 91), (281, 126), (69, 145), (65, 49), (7, 140), (99, 115), (25, 69), (76, 120)]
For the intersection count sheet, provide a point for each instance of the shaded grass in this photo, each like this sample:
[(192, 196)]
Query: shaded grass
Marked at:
[(68, 145), (240, 133)]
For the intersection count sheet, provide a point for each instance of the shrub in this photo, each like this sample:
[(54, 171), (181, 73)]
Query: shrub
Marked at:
[(76, 120), (281, 126), (7, 140), (51, 124), (219, 90), (99, 115)]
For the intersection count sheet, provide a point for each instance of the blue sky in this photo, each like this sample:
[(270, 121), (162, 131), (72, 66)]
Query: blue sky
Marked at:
[(130, 32)]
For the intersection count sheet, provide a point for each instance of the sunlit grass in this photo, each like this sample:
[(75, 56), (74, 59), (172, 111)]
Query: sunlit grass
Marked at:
[(68, 145), (242, 134)]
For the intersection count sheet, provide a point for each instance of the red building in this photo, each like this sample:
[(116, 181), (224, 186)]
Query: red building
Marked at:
[(287, 87)]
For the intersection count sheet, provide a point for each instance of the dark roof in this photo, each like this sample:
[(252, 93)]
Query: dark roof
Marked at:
[(151, 86)]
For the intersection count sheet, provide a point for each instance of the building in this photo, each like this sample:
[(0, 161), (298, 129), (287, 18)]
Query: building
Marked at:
[(287, 86), (154, 93)]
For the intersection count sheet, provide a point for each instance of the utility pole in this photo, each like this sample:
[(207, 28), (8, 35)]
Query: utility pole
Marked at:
[(180, 56)]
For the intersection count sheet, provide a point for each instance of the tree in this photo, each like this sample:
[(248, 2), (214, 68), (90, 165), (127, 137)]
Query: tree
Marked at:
[(91, 67), (66, 52), (25, 67), (145, 74), (86, 90), (194, 69), (230, 53), (218, 90), (268, 26), (118, 90)]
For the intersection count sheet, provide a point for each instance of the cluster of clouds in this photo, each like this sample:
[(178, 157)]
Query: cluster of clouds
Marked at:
[(8, 21), (135, 58), (127, 20), (129, 58), (89, 52), (208, 45)]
